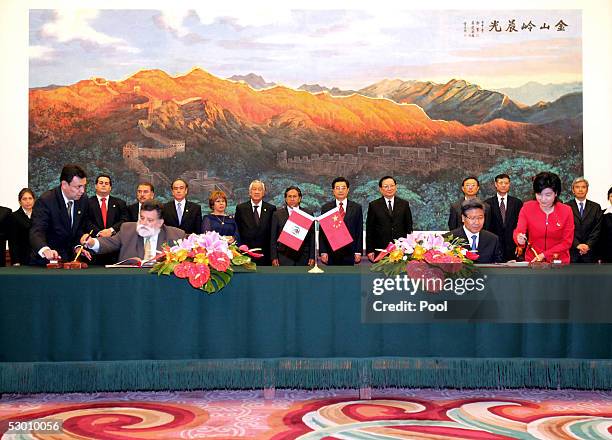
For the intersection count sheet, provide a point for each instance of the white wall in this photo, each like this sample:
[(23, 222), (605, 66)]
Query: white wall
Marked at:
[(597, 75)]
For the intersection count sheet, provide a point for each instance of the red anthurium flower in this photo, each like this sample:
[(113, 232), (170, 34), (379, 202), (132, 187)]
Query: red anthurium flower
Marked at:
[(199, 276), (244, 248), (183, 270), (219, 261), (472, 255), (390, 247)]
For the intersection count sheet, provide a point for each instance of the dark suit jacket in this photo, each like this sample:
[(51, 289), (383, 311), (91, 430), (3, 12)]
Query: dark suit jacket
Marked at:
[(5, 223), (253, 235), (605, 239), (19, 238), (382, 228), (489, 247), (454, 216), (505, 229), (116, 214), (132, 212), (353, 219), (286, 255), (192, 217), (51, 225), (586, 230), (130, 244)]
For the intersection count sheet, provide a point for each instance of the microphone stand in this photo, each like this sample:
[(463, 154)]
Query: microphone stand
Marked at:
[(316, 268)]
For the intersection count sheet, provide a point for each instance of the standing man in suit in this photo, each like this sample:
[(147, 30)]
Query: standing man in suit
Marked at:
[(281, 254), (254, 221), (587, 223), (470, 187), (59, 217), (144, 191), (484, 242), (389, 217), (353, 219), (504, 215), (181, 213), (142, 239), (106, 215), (5, 216)]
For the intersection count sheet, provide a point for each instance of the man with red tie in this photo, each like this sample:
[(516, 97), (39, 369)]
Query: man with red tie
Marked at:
[(106, 215)]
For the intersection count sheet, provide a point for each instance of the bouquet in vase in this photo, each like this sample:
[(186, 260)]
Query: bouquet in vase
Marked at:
[(207, 260)]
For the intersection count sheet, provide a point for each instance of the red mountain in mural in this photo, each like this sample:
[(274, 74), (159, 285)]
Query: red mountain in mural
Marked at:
[(201, 104)]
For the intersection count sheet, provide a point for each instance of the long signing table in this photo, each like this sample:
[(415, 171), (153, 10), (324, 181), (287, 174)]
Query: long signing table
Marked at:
[(125, 329)]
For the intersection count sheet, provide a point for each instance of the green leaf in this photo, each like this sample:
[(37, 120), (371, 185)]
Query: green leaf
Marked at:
[(239, 260)]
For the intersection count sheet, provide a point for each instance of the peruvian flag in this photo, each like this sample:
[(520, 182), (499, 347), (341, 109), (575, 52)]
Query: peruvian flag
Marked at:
[(296, 228), (335, 229)]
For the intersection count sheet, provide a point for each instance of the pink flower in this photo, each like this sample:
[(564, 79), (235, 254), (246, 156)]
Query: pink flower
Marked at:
[(471, 255), (390, 247), (212, 242), (184, 269), (433, 277), (199, 276), (219, 261), (244, 248)]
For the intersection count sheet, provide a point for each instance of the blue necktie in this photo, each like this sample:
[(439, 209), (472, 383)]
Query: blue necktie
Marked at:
[(581, 208), (474, 243)]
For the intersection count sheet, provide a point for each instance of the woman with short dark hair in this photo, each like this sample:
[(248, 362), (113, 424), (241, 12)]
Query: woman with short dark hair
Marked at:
[(20, 224), (218, 220), (545, 225)]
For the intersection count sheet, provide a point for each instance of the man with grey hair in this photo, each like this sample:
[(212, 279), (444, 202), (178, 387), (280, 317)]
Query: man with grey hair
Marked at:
[(254, 221), (485, 243), (587, 223)]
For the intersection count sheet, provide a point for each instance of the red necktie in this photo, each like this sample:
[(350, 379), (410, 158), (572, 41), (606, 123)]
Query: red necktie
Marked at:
[(103, 209), (341, 210)]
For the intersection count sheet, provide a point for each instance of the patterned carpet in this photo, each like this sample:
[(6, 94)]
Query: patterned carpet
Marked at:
[(333, 414)]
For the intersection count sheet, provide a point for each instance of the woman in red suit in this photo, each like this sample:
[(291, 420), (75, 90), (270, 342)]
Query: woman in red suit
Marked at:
[(546, 223)]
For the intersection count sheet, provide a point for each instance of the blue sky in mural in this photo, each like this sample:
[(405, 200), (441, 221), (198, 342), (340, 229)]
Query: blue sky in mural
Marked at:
[(349, 49)]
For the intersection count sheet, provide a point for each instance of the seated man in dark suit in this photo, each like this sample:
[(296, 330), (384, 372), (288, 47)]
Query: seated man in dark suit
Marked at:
[(389, 217), (470, 187), (254, 221), (587, 223), (353, 219), (106, 215), (484, 242), (504, 215), (144, 191), (181, 213), (142, 239), (60, 217)]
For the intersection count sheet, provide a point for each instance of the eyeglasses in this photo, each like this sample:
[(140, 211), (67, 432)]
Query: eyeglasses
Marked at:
[(477, 218), (388, 186)]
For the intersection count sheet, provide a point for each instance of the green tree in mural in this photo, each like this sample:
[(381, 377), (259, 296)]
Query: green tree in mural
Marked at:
[(521, 171)]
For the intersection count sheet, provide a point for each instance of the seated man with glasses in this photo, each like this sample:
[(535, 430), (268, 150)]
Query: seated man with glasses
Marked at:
[(479, 240)]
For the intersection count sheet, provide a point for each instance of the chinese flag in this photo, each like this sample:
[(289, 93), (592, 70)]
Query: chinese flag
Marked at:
[(295, 230), (335, 229)]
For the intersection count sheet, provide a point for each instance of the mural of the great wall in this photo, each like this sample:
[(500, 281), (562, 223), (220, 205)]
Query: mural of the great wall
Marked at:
[(222, 132)]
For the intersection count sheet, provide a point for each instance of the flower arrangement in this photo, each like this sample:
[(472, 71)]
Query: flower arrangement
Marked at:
[(206, 260), (425, 255)]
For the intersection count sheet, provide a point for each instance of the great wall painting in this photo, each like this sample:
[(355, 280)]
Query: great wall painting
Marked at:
[(317, 119)]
